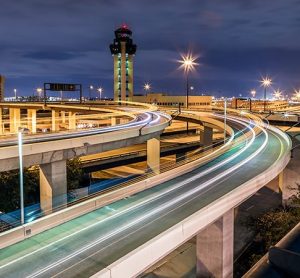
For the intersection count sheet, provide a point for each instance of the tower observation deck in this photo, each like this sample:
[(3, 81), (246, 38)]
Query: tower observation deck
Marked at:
[(123, 51)]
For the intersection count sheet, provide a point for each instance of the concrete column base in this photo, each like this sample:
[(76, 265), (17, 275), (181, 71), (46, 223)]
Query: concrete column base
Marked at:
[(206, 136), (31, 120), (14, 119), (55, 120), (63, 116), (153, 154), (289, 179), (53, 185), (72, 120), (214, 248), (113, 121)]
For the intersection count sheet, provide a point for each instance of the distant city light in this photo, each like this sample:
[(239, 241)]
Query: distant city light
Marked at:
[(277, 94), (253, 93), (297, 94)]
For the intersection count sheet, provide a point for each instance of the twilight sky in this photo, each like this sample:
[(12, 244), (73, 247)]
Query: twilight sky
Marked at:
[(237, 41)]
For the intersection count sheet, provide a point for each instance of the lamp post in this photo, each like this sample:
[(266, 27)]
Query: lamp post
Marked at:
[(266, 82), (297, 95), (225, 118), (39, 92), (100, 90), (147, 87), (253, 93), (188, 64), (277, 94), (90, 91), (21, 176), (15, 92)]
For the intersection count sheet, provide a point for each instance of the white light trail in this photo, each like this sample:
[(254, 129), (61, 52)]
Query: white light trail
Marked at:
[(159, 209), (153, 198)]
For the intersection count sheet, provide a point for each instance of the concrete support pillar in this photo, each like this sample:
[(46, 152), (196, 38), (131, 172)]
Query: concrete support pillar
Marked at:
[(72, 120), (31, 120), (55, 120), (113, 121), (289, 179), (1, 122), (206, 136), (53, 185), (280, 181), (14, 119), (214, 248), (180, 157), (63, 117), (153, 154)]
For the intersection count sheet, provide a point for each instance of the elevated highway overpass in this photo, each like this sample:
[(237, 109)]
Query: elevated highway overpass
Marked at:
[(51, 150), (124, 238)]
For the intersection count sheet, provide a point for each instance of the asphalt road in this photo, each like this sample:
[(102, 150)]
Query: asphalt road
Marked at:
[(85, 245)]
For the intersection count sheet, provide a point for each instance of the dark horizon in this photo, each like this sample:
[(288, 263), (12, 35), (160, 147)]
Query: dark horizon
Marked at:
[(68, 41)]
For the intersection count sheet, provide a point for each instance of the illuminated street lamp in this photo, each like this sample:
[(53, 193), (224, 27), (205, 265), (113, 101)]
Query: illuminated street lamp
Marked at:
[(15, 92), (266, 82), (90, 91), (225, 118), (39, 92), (277, 94), (297, 94), (147, 87), (100, 90), (188, 64), (253, 93)]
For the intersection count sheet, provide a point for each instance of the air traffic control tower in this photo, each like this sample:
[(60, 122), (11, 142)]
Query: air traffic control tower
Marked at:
[(123, 51)]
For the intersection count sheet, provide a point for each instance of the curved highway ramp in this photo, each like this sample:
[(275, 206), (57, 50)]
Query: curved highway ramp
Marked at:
[(126, 237)]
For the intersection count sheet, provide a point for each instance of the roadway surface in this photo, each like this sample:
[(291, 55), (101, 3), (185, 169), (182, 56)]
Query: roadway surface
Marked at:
[(87, 244)]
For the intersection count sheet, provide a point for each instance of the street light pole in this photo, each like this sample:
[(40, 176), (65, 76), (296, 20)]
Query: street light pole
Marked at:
[(187, 89), (225, 118), (21, 176), (90, 91), (265, 97), (188, 64), (100, 93), (187, 98), (266, 82)]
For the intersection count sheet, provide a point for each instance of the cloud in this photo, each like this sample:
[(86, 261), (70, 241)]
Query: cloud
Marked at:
[(69, 39)]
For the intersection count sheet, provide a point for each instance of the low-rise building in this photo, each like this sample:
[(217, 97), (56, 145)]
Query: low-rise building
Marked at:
[(162, 99)]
